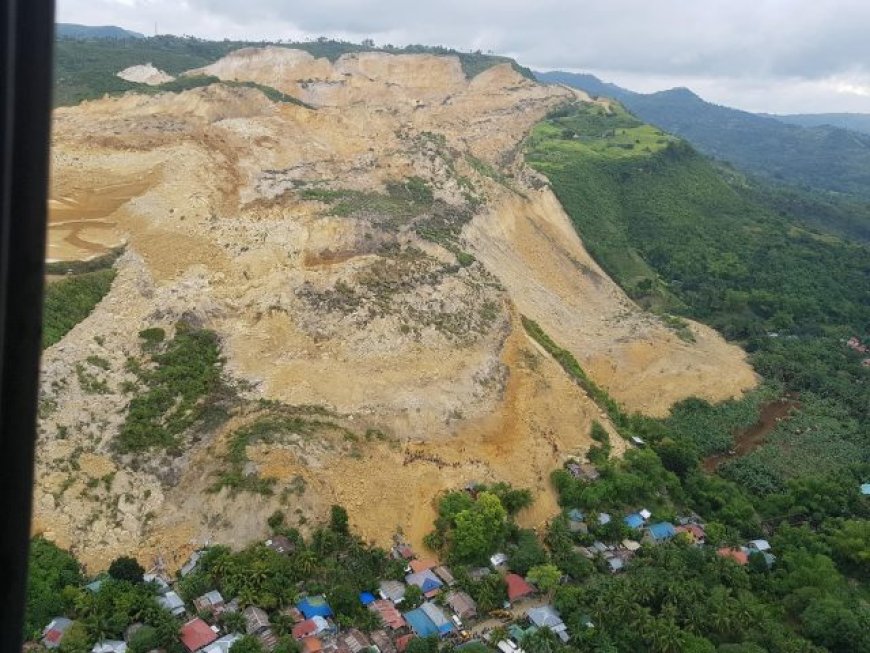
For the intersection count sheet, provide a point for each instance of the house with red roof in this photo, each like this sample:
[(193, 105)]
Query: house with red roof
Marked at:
[(422, 565), (310, 627), (196, 634), (517, 587), (737, 555)]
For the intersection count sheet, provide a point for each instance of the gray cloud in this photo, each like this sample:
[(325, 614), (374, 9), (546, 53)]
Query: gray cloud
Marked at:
[(775, 55)]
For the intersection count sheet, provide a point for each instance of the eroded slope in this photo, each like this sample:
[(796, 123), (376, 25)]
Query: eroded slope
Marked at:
[(363, 261)]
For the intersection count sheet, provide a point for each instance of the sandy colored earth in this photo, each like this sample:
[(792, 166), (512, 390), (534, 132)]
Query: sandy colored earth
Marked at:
[(354, 313), (145, 74)]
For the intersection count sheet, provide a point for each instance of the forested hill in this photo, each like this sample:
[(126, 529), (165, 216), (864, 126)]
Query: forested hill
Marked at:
[(86, 67), (859, 122), (684, 237), (823, 157), (71, 30)]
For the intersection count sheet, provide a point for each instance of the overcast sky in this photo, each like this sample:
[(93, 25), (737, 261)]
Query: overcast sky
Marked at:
[(787, 56)]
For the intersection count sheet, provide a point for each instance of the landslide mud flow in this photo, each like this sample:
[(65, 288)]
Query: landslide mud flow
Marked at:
[(367, 251)]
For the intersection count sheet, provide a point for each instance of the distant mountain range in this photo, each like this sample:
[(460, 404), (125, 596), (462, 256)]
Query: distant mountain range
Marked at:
[(803, 151), (73, 31), (859, 122)]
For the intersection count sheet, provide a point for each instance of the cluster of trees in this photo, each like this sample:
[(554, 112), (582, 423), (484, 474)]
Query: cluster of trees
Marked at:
[(183, 371), (471, 526)]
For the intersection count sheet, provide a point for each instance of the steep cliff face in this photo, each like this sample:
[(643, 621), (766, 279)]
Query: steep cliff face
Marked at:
[(363, 261)]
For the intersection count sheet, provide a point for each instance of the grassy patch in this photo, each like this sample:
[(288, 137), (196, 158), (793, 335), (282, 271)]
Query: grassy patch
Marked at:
[(177, 380), (69, 301)]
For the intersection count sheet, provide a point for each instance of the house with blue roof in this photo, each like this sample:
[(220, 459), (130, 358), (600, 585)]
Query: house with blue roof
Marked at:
[(426, 580), (634, 520), (314, 606), (420, 623), (661, 532), (366, 598), (865, 489)]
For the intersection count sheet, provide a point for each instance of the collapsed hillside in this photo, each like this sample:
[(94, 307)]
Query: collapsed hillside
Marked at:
[(362, 255)]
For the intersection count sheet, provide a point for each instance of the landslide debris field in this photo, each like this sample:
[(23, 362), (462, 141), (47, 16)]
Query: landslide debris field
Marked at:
[(319, 302)]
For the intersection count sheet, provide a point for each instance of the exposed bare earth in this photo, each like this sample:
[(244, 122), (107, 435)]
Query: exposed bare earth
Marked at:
[(206, 188)]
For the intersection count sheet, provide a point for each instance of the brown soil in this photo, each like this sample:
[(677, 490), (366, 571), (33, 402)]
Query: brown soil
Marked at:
[(749, 439)]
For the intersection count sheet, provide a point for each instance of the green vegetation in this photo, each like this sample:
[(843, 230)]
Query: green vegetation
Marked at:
[(126, 568), (71, 300), (823, 158), (50, 570), (683, 237), (181, 385), (679, 597)]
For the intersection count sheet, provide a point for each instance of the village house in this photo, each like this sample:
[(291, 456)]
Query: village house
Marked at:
[(211, 602), (427, 581), (462, 604), (634, 521), (695, 533), (110, 646), (444, 574), (437, 617), (739, 556), (314, 606), (498, 560), (312, 645), (353, 641), (392, 590), (311, 627), (188, 567), (173, 603), (383, 641), (222, 644), (53, 634), (256, 619), (546, 616), (196, 635), (517, 588), (388, 613), (660, 532), (422, 565)]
